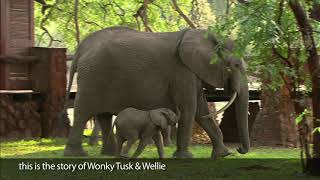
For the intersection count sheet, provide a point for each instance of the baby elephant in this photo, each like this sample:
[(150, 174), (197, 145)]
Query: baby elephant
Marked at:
[(133, 124)]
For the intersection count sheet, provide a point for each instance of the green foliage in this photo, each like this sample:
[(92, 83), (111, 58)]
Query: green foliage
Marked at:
[(266, 32), (301, 116), (98, 14), (316, 129)]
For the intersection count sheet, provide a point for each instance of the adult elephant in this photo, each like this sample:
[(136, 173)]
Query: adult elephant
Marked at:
[(119, 67)]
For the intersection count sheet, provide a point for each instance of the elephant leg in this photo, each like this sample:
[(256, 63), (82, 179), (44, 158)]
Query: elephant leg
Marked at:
[(183, 136), (142, 144), (166, 134), (94, 137), (109, 146), (125, 152), (184, 93), (185, 130), (120, 141), (211, 128), (74, 144), (173, 133), (159, 144)]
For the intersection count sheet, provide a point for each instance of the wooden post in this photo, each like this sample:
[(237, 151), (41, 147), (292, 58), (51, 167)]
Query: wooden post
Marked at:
[(49, 78)]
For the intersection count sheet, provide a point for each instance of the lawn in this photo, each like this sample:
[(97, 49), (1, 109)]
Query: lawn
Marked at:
[(260, 162), (53, 148)]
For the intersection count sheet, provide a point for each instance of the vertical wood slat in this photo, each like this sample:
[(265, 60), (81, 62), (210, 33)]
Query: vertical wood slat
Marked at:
[(3, 42), (16, 38)]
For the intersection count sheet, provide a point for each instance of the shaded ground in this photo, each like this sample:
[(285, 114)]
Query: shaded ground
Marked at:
[(261, 163)]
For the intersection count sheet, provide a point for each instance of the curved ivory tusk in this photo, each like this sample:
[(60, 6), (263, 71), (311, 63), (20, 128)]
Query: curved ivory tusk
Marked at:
[(233, 97), (178, 115)]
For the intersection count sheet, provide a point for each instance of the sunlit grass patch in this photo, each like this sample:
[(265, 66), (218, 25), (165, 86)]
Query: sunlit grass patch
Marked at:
[(260, 162), (53, 148)]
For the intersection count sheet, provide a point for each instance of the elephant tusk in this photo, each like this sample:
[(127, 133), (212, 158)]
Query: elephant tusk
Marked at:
[(233, 97), (178, 115)]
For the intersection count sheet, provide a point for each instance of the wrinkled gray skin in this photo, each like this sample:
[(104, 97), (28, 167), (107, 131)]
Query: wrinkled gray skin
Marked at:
[(119, 68), (166, 135), (133, 124), (94, 137)]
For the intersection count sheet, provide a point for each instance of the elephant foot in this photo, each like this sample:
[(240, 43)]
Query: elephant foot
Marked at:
[(242, 150), (72, 151), (93, 141), (110, 148), (124, 156), (220, 152), (110, 151), (182, 155)]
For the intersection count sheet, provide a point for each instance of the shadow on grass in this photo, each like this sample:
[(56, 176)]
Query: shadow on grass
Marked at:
[(260, 163), (174, 169)]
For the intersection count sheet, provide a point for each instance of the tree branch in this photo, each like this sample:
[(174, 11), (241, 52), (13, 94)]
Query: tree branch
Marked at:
[(243, 1), (161, 10), (45, 6), (43, 21), (228, 4), (93, 23), (142, 13), (121, 14), (188, 21), (76, 22), (315, 11), (274, 49)]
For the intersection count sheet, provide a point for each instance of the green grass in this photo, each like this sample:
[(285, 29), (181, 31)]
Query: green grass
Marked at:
[(53, 148), (259, 163)]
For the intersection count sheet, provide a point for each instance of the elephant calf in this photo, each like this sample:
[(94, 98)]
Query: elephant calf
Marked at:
[(133, 124)]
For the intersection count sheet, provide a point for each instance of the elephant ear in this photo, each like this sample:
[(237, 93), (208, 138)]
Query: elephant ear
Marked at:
[(196, 52), (158, 118)]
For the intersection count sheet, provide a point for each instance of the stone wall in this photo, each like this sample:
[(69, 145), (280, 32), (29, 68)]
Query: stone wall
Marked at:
[(36, 112), (19, 116), (275, 123)]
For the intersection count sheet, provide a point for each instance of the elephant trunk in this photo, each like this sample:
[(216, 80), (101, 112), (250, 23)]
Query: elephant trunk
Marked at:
[(242, 101)]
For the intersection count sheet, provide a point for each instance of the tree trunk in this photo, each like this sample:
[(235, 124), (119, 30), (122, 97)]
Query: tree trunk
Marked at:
[(315, 11), (76, 21), (314, 68)]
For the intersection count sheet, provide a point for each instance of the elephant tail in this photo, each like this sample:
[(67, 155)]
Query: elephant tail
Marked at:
[(63, 115), (73, 70)]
